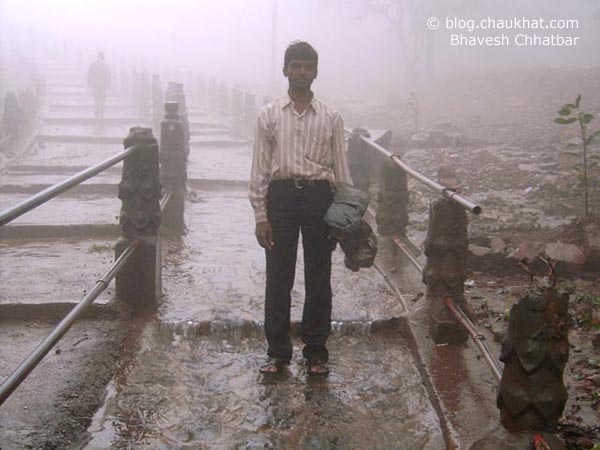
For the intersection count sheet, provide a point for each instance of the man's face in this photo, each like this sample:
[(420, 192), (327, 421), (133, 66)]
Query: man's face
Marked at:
[(300, 73)]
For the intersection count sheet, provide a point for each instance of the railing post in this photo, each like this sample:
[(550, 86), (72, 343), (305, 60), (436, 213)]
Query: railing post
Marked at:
[(139, 282), (532, 395), (144, 95), (444, 272), (157, 105), (223, 99), (249, 109), (392, 200), (14, 116), (213, 95), (237, 104), (201, 94), (125, 83), (359, 161), (173, 164), (175, 93)]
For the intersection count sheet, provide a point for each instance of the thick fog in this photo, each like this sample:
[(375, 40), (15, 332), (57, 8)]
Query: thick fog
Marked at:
[(367, 47)]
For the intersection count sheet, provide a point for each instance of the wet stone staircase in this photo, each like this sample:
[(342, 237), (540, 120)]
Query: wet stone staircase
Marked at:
[(186, 376)]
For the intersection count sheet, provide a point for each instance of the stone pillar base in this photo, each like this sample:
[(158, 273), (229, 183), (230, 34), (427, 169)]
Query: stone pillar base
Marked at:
[(443, 328), (139, 282), (172, 217)]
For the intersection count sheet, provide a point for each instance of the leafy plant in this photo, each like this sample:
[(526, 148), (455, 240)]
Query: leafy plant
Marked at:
[(571, 113), (584, 313)]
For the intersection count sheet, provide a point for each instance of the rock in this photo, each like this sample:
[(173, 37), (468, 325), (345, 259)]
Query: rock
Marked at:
[(497, 245), (439, 138), (447, 126), (420, 139), (478, 250), (549, 166), (530, 250), (546, 159), (482, 241), (569, 256)]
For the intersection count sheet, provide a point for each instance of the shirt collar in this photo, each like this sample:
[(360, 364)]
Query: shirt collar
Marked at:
[(287, 101)]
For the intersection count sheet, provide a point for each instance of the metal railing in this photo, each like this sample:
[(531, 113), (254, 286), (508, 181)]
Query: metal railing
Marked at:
[(411, 251), (448, 193), (141, 141), (35, 357), (49, 193)]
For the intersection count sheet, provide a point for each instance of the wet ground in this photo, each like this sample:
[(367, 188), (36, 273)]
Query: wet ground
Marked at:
[(205, 392)]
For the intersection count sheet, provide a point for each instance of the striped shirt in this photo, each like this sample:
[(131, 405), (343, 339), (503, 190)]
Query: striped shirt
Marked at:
[(292, 145)]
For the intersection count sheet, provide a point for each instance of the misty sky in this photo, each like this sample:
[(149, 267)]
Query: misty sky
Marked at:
[(232, 39)]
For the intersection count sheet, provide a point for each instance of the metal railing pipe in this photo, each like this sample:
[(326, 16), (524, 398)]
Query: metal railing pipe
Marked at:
[(19, 375), (448, 193), (477, 337), (165, 200), (50, 192), (411, 257), (461, 318)]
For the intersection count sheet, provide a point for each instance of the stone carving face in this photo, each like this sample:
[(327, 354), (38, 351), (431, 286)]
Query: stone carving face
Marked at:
[(138, 214), (140, 192)]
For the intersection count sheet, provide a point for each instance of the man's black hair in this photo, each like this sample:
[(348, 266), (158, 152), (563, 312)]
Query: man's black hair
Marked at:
[(300, 50)]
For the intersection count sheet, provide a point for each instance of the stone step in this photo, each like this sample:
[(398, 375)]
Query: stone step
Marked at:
[(207, 393), (53, 271)]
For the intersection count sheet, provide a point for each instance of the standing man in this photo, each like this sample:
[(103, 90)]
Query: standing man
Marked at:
[(299, 155), (98, 80)]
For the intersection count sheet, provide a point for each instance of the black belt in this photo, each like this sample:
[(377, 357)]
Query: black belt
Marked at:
[(299, 183)]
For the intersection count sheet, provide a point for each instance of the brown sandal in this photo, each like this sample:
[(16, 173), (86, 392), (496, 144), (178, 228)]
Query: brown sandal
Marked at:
[(317, 367), (273, 366)]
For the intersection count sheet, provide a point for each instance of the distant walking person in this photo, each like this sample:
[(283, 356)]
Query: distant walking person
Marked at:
[(98, 80), (299, 156)]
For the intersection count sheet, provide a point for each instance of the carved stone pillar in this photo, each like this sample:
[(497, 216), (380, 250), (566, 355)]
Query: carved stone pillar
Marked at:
[(125, 83), (249, 109), (444, 272), (213, 95), (139, 282), (157, 105), (173, 164), (532, 394), (223, 99), (175, 93), (359, 161), (201, 94), (237, 104), (144, 95), (392, 201), (14, 116)]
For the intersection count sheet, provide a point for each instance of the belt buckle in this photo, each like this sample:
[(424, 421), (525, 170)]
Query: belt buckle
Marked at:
[(298, 183)]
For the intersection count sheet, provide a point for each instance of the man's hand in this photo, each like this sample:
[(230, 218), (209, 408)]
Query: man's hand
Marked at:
[(264, 235)]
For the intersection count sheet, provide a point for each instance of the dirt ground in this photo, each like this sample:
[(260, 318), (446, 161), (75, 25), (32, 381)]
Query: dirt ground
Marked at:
[(497, 131)]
